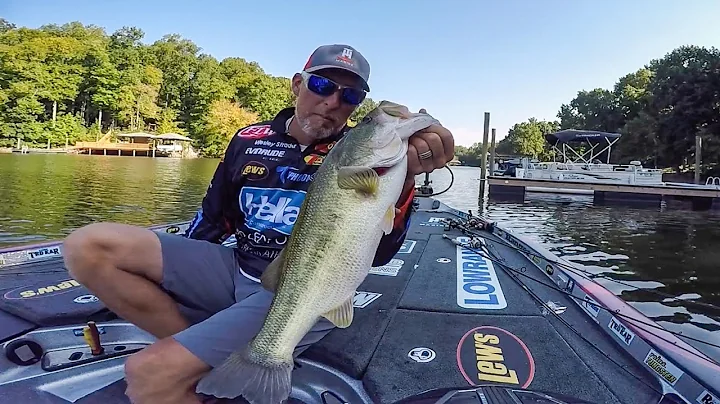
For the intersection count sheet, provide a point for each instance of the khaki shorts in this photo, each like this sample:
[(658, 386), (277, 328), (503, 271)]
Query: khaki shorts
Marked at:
[(226, 308)]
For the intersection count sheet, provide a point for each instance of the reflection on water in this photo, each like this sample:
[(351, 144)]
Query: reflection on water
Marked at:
[(666, 259)]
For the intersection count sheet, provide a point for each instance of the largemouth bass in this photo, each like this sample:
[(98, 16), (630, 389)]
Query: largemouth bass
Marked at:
[(348, 207)]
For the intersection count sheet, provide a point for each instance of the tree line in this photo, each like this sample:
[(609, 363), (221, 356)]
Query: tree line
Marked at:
[(74, 82), (658, 110)]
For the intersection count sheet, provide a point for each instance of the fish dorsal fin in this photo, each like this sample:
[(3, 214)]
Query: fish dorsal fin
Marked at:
[(388, 220), (363, 179), (342, 315), (271, 276)]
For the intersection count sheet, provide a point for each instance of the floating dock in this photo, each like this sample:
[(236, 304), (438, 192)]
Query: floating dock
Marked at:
[(701, 197)]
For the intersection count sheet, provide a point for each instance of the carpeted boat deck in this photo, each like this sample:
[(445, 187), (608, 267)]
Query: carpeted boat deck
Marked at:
[(436, 316)]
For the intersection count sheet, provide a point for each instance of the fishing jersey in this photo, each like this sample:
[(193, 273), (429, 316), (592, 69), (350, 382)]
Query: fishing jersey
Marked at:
[(257, 189)]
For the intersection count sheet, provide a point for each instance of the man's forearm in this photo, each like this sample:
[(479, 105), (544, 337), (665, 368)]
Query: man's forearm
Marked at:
[(391, 243)]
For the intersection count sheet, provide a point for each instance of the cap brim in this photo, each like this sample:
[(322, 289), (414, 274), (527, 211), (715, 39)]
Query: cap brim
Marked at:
[(322, 67)]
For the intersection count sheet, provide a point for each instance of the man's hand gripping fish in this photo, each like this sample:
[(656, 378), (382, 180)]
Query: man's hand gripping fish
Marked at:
[(349, 206)]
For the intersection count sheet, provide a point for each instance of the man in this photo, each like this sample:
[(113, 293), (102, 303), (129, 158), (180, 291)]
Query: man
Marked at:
[(203, 300)]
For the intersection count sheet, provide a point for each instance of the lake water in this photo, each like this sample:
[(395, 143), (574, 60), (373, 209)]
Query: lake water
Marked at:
[(668, 259)]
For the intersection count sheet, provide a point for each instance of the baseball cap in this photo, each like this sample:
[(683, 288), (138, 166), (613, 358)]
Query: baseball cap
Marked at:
[(343, 57)]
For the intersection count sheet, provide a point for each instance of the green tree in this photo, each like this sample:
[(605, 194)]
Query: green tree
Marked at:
[(528, 138)]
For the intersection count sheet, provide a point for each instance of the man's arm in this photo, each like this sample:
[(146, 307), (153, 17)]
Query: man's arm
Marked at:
[(390, 243), (211, 222)]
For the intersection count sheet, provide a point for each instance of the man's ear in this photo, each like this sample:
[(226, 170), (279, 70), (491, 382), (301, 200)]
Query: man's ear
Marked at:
[(296, 83)]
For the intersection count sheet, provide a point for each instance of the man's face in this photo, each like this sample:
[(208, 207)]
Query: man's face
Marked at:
[(321, 116)]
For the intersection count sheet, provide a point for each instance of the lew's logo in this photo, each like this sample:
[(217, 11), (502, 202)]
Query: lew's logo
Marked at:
[(28, 292), (478, 286), (256, 132), (621, 331), (270, 208), (254, 171), (493, 355)]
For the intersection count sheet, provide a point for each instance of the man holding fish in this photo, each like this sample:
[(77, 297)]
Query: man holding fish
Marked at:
[(312, 204)]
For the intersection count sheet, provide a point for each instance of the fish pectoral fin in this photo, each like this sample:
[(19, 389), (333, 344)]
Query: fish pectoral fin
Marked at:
[(271, 276), (342, 315), (363, 179), (388, 220)]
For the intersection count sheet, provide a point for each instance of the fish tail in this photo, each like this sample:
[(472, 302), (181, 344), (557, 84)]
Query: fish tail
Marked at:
[(240, 375)]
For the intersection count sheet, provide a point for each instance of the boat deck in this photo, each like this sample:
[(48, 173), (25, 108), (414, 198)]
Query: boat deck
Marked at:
[(436, 316)]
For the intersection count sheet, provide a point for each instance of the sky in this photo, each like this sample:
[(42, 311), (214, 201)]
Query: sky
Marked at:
[(458, 59)]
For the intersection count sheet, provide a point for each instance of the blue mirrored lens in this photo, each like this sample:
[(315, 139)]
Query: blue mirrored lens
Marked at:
[(325, 87), (353, 96), (321, 85)]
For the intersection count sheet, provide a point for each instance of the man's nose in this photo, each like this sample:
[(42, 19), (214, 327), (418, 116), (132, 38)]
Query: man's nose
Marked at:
[(334, 100)]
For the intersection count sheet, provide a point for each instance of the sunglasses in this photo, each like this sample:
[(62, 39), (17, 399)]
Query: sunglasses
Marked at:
[(325, 87)]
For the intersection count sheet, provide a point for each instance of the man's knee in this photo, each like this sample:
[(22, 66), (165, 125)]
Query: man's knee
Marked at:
[(103, 246), (84, 249)]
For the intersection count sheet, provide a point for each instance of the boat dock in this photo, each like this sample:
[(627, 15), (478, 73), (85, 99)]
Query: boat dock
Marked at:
[(701, 197)]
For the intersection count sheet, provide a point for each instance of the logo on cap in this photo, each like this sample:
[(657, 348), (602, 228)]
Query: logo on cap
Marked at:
[(346, 57)]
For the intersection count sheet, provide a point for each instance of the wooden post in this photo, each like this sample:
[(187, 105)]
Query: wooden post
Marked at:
[(492, 153), (483, 157), (698, 157)]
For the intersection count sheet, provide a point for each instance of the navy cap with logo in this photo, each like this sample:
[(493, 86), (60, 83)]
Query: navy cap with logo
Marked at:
[(343, 57)]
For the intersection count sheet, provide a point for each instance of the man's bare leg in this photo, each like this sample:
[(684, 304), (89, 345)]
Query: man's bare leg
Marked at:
[(122, 265)]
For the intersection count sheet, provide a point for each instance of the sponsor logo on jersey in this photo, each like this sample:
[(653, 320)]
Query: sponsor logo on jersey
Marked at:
[(256, 132), (270, 208), (255, 171), (270, 143), (313, 159), (325, 148), (261, 151), (259, 239), (478, 286), (290, 174)]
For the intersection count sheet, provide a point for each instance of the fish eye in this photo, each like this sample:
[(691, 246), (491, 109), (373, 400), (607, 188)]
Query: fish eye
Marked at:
[(366, 119)]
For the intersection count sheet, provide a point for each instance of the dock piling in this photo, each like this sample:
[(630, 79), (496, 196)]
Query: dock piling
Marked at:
[(492, 152), (483, 159)]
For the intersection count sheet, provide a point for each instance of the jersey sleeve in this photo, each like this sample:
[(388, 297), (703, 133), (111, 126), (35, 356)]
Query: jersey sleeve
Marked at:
[(213, 221), (390, 243)]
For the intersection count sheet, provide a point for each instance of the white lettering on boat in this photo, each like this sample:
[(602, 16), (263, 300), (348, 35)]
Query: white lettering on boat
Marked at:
[(478, 286)]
